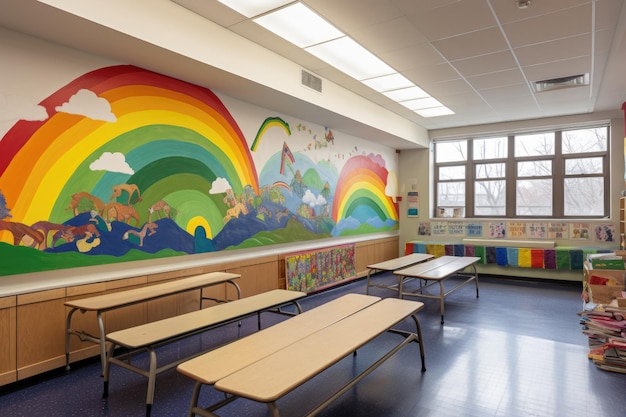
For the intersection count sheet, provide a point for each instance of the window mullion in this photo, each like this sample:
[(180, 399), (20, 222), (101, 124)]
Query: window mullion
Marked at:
[(470, 180), (511, 178), (558, 177)]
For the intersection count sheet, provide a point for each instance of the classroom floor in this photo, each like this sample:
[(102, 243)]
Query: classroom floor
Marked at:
[(517, 350)]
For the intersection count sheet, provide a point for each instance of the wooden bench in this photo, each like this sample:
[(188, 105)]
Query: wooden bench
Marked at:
[(107, 302), (437, 271), (150, 336), (269, 364), (393, 265)]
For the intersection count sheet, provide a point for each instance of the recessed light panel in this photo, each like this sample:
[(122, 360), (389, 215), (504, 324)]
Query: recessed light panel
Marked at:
[(299, 25), (435, 111), (251, 8), (388, 82), (350, 57), (405, 94)]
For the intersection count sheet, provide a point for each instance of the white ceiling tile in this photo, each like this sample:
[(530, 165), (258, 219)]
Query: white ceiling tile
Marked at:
[(350, 15), (423, 76), (509, 93), (472, 44), (507, 11), (574, 46), (389, 36), (444, 89), (550, 26), (420, 55), (487, 63), (497, 79), (606, 10), (453, 19)]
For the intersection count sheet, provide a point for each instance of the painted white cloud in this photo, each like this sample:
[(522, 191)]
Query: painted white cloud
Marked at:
[(87, 103), (310, 199), (13, 108), (220, 185), (391, 189), (112, 162)]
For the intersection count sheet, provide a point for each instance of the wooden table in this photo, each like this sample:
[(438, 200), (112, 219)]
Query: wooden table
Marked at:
[(437, 271), (107, 302), (393, 265), (270, 364)]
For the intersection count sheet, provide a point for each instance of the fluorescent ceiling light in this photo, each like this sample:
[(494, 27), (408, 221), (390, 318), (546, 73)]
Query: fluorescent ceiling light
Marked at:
[(388, 82), (421, 103), (250, 8), (405, 94), (299, 25), (434, 112), (350, 57)]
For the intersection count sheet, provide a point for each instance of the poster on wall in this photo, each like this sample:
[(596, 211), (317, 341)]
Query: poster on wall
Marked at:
[(579, 231), (137, 165), (516, 229), (439, 228), (537, 230), (604, 232), (558, 231), (497, 230), (456, 228), (474, 229), (413, 204), (423, 229)]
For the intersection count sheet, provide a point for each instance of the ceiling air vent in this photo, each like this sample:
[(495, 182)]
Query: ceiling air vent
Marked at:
[(311, 81), (562, 82)]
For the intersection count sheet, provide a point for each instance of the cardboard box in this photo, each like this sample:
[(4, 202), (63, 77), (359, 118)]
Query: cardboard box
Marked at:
[(604, 294), (604, 276)]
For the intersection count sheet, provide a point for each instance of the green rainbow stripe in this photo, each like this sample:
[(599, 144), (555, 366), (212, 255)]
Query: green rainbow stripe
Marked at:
[(269, 122)]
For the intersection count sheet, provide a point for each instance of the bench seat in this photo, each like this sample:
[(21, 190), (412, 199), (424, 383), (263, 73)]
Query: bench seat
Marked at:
[(150, 336), (268, 376)]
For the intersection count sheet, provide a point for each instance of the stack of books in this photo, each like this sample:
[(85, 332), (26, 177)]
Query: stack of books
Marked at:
[(605, 327), (609, 260)]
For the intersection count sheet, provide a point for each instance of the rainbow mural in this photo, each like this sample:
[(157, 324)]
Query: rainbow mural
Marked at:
[(132, 162), (360, 192)]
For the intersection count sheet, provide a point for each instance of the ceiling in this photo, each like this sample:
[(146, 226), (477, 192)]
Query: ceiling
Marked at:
[(477, 57)]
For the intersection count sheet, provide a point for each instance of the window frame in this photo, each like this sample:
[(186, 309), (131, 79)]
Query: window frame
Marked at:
[(558, 176)]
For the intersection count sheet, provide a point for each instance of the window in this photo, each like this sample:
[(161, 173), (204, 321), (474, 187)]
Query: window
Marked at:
[(551, 174)]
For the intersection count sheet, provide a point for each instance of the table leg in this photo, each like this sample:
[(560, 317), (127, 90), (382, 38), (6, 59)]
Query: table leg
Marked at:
[(442, 298), (102, 341), (68, 333), (475, 278), (367, 285), (420, 341)]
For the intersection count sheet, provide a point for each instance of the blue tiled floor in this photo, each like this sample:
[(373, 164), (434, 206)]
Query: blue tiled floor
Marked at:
[(516, 351)]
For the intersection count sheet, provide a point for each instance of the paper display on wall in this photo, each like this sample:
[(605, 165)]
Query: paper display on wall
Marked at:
[(413, 204)]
